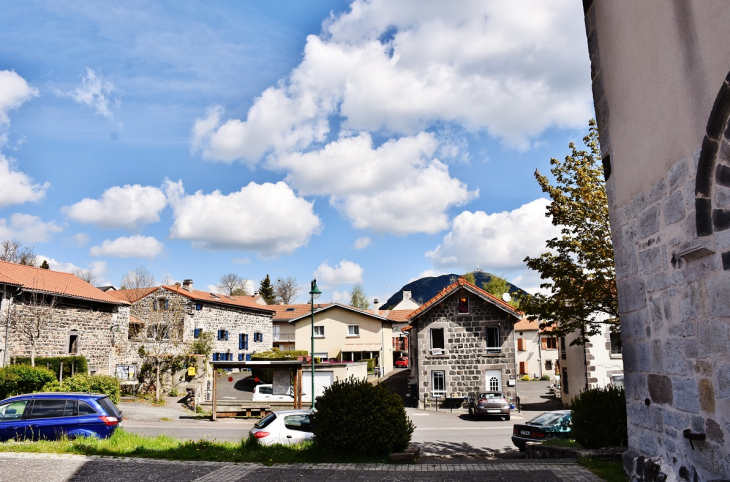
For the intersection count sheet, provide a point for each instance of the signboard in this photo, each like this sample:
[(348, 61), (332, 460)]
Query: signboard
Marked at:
[(282, 382)]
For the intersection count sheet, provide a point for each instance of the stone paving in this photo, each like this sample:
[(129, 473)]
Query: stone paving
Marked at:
[(61, 468)]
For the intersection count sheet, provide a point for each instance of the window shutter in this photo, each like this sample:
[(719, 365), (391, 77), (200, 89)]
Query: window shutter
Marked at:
[(240, 341), (197, 333), (521, 344), (154, 305), (240, 357), (215, 356), (523, 367), (544, 343), (226, 333), (245, 342)]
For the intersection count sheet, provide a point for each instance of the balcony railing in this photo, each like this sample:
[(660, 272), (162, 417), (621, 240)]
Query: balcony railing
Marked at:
[(284, 337)]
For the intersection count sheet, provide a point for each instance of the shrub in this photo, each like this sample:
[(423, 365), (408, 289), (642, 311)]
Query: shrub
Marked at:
[(20, 379), (545, 377), (359, 418), (88, 384), (525, 378), (599, 417), (53, 363), (371, 363)]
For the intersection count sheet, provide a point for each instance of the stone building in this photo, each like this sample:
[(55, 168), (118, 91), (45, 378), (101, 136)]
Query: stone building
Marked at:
[(661, 91), (462, 341), (75, 317), (240, 325)]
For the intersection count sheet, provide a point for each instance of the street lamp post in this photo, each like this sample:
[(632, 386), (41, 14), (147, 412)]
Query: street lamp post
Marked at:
[(314, 294)]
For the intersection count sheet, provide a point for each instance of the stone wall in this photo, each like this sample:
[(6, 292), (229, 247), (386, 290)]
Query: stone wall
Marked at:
[(466, 359), (96, 325)]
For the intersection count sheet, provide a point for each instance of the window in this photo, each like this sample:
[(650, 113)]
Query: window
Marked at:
[(521, 344), (12, 410), (85, 409), (438, 383), (154, 305), (266, 390), (353, 330), (198, 306), (289, 309), (216, 356), (50, 408), (494, 345), (615, 344), (617, 381), (523, 367), (437, 341), (161, 304), (197, 332), (109, 407), (493, 384), (240, 357), (319, 331), (562, 349), (463, 305), (299, 423), (258, 337), (73, 342), (550, 343), (548, 364), (222, 335), (243, 341)]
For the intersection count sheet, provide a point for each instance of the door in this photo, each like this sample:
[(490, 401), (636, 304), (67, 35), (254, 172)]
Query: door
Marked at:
[(49, 419), (11, 420), (493, 380), (322, 380), (297, 428)]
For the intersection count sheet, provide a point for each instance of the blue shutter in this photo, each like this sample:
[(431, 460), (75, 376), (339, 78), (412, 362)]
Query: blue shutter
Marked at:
[(245, 341), (215, 356), (167, 304), (197, 332), (248, 357), (154, 305), (240, 357), (240, 341), (226, 333)]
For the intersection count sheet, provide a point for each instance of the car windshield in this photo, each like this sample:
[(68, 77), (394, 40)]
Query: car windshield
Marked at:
[(109, 407), (266, 421), (490, 395), (549, 418), (12, 410)]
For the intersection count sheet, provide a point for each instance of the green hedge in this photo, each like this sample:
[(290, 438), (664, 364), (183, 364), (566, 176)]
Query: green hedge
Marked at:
[(599, 418), (359, 418), (20, 379), (53, 363), (371, 363), (266, 375), (88, 384)]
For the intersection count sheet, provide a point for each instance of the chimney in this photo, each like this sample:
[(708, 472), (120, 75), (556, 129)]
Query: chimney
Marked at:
[(406, 295), (375, 307), (188, 284), (177, 283)]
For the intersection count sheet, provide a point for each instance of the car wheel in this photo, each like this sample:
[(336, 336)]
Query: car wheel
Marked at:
[(507, 418), (522, 448), (471, 412)]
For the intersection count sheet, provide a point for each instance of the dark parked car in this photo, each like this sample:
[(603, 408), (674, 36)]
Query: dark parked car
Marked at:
[(489, 403), (401, 362), (549, 425), (49, 416)]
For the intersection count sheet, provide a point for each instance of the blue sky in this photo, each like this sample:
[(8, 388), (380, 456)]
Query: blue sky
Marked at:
[(367, 142)]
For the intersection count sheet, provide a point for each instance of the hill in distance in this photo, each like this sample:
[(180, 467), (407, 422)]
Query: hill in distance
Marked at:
[(424, 289)]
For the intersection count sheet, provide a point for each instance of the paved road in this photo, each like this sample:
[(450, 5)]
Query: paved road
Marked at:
[(63, 468)]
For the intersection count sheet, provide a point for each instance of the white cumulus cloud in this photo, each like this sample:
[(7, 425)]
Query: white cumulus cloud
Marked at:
[(17, 187), (498, 241), (28, 228), (266, 218), (14, 91), (129, 247), (95, 92), (362, 243), (345, 272), (127, 206)]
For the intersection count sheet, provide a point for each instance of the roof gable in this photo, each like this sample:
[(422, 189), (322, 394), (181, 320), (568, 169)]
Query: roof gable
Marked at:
[(345, 307), (461, 283)]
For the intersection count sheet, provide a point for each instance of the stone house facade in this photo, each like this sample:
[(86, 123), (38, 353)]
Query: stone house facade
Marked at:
[(661, 91), (79, 318), (462, 341)]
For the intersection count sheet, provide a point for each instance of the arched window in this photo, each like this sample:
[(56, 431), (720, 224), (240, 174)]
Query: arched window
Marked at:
[(493, 384)]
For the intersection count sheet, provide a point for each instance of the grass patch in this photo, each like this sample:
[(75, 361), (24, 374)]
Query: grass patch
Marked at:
[(561, 442), (165, 419), (610, 471), (125, 444)]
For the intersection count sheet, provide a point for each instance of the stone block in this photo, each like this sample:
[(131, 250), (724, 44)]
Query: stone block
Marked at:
[(713, 338), (631, 294), (656, 312), (686, 395), (707, 395), (678, 174), (674, 208), (691, 348), (722, 380), (650, 261), (658, 192), (718, 292), (714, 431), (643, 416), (692, 304), (657, 356), (674, 361), (660, 389), (676, 419), (649, 221), (636, 322)]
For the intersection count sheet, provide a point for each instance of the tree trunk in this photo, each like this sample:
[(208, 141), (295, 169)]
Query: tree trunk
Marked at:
[(157, 384), (32, 354)]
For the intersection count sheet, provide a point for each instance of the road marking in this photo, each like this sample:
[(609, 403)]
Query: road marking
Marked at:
[(464, 428), (420, 414)]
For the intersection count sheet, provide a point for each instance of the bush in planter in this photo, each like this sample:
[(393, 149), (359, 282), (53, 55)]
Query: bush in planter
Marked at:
[(357, 417), (88, 384), (545, 377), (599, 417), (20, 379)]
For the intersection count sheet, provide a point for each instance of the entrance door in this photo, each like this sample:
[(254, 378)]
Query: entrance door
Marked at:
[(322, 380), (493, 380)]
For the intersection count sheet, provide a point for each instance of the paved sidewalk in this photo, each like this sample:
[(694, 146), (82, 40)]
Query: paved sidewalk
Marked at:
[(62, 468)]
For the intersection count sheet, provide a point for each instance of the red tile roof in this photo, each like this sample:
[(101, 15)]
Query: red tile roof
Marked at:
[(339, 305), (131, 295), (237, 301), (398, 316), (462, 283), (54, 282), (526, 325), (289, 312)]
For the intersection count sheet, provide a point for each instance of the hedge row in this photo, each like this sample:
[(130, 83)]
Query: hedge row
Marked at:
[(88, 384), (53, 363)]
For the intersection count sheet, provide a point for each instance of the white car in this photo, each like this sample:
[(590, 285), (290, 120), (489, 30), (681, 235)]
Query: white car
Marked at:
[(265, 393), (285, 427)]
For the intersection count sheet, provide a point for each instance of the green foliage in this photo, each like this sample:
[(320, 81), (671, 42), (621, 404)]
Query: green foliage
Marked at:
[(498, 286), (578, 271), (358, 298), (266, 290), (545, 377), (470, 278), (203, 344), (88, 384), (53, 363), (599, 417), (525, 378), (371, 363), (20, 379), (266, 375), (45, 265), (359, 418)]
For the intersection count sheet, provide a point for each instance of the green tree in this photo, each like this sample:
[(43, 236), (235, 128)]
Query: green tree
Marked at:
[(498, 286), (45, 265), (470, 278), (266, 290), (578, 273), (358, 298)]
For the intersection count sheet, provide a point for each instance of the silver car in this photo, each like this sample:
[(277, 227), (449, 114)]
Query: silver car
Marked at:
[(285, 427), (489, 403)]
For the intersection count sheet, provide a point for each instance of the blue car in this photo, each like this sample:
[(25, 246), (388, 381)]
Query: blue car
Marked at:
[(50, 416)]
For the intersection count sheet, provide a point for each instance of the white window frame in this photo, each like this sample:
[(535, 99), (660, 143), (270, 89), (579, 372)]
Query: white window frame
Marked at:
[(616, 348), (440, 393), (492, 349), (353, 331), (437, 350), (319, 331)]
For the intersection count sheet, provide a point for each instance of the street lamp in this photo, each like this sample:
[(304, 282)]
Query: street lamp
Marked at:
[(315, 294)]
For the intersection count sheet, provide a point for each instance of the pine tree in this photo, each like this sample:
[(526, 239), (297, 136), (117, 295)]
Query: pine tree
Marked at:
[(45, 265), (266, 290)]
